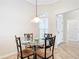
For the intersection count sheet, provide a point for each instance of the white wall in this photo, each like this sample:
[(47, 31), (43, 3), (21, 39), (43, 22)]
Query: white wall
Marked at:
[(15, 18), (63, 6), (72, 23)]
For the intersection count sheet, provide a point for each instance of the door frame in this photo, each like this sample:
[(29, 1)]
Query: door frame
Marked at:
[(57, 39)]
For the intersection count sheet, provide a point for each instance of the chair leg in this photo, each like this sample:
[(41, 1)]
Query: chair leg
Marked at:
[(22, 58), (52, 56), (50, 49), (17, 56), (28, 57)]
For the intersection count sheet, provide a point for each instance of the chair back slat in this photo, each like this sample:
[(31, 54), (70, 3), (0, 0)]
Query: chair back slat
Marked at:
[(51, 43), (18, 44), (47, 35), (28, 36)]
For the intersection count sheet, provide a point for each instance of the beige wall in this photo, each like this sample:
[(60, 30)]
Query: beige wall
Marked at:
[(15, 18)]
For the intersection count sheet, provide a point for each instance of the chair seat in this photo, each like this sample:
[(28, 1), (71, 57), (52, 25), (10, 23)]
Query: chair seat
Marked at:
[(41, 53), (26, 52), (29, 46), (41, 46)]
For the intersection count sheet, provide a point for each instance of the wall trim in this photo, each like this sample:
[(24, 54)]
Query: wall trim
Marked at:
[(7, 55)]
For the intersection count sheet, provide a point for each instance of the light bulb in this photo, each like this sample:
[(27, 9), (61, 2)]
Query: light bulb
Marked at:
[(36, 20)]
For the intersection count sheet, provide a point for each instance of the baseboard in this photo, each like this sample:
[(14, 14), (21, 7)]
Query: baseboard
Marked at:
[(59, 44), (2, 57)]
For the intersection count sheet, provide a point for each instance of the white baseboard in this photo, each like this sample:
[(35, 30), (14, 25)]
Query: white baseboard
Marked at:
[(2, 57), (57, 45)]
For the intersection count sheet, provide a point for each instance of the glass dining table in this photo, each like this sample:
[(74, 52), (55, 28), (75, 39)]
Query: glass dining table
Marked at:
[(34, 44)]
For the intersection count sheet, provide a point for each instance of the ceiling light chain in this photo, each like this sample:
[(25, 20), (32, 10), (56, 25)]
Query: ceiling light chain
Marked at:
[(36, 9)]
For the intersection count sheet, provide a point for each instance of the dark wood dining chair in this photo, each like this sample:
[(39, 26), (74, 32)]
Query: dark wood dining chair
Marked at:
[(28, 36), (45, 53), (46, 35), (22, 53)]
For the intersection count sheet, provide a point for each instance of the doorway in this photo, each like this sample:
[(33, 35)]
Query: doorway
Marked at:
[(59, 27)]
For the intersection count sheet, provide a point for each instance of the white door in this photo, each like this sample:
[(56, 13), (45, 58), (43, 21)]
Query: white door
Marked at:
[(59, 27)]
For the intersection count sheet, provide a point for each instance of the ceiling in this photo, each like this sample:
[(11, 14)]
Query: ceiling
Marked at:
[(42, 2)]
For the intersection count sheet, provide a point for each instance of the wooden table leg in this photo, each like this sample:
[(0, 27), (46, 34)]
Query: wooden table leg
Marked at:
[(34, 57)]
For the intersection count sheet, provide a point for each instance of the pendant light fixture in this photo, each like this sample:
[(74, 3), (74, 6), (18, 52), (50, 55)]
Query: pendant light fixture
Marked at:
[(36, 19)]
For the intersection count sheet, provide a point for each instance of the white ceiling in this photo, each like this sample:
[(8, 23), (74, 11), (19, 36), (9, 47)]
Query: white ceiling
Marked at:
[(42, 2)]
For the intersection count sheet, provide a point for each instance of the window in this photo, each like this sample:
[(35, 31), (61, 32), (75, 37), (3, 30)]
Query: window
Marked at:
[(43, 26)]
